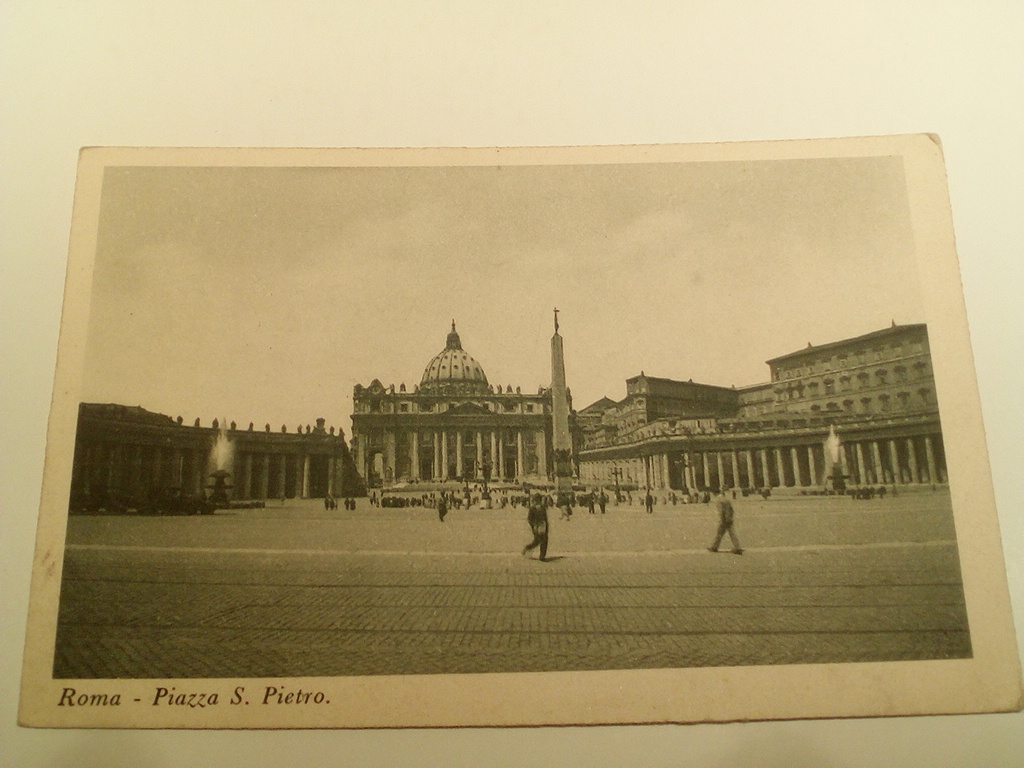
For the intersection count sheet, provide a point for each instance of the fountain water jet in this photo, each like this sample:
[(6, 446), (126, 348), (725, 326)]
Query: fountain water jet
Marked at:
[(833, 462)]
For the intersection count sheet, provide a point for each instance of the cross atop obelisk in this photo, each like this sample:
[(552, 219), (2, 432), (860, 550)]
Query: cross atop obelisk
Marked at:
[(556, 319)]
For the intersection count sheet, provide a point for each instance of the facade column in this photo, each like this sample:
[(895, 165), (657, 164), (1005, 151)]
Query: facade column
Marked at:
[(894, 459), (390, 451), (765, 474), (915, 472), (478, 460), (542, 454), (813, 479), (305, 476), (494, 455), (414, 470), (501, 455), (459, 466), (929, 453), (780, 470), (876, 458), (362, 461), (798, 481), (444, 455), (519, 453), (435, 466), (861, 473)]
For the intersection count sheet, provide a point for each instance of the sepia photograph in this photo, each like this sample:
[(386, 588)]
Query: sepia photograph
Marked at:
[(375, 438)]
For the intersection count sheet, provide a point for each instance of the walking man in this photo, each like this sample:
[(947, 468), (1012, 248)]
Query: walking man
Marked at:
[(602, 500), (537, 517), (726, 516), (442, 507)]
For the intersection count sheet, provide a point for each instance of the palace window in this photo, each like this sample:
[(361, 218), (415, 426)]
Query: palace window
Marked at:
[(881, 375), (403, 407), (862, 379), (904, 398), (848, 405), (529, 407), (830, 386), (884, 403), (926, 395), (901, 373), (844, 383), (865, 405)]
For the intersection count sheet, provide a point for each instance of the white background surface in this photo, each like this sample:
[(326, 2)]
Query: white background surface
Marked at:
[(479, 74)]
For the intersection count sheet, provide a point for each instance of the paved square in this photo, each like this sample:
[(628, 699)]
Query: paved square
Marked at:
[(298, 591)]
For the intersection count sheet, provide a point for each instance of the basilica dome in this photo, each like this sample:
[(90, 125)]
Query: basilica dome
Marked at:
[(452, 370)]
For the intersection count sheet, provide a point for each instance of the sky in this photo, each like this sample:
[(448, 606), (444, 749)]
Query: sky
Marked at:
[(265, 294)]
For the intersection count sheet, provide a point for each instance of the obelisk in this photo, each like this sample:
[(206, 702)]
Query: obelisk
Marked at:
[(561, 441)]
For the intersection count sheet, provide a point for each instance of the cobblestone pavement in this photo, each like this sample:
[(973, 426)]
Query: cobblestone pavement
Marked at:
[(297, 591)]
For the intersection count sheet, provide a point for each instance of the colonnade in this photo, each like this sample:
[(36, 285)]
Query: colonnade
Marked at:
[(135, 469), (913, 460)]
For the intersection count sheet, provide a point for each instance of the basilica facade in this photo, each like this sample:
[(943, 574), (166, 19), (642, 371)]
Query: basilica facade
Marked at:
[(453, 425), (875, 392)]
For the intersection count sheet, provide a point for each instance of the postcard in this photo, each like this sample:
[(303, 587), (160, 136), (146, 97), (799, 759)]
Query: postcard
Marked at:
[(374, 438)]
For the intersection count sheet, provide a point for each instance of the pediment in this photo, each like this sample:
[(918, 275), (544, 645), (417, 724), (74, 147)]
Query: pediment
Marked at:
[(471, 409)]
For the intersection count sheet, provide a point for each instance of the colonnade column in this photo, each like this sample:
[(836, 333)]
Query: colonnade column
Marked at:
[(501, 456), (876, 459), (331, 469), (494, 454), (929, 452), (519, 453), (157, 467), (245, 480), (915, 472), (779, 468), (707, 471), (458, 454), (750, 468), (666, 471), (414, 470), (444, 454), (894, 459), (305, 476), (281, 475), (798, 481), (721, 469), (861, 473), (765, 475), (264, 475), (813, 479)]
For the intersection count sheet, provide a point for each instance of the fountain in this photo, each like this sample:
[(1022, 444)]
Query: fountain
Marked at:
[(835, 480), (222, 459)]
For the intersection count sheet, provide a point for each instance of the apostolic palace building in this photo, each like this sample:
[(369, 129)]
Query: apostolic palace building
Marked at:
[(876, 391)]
